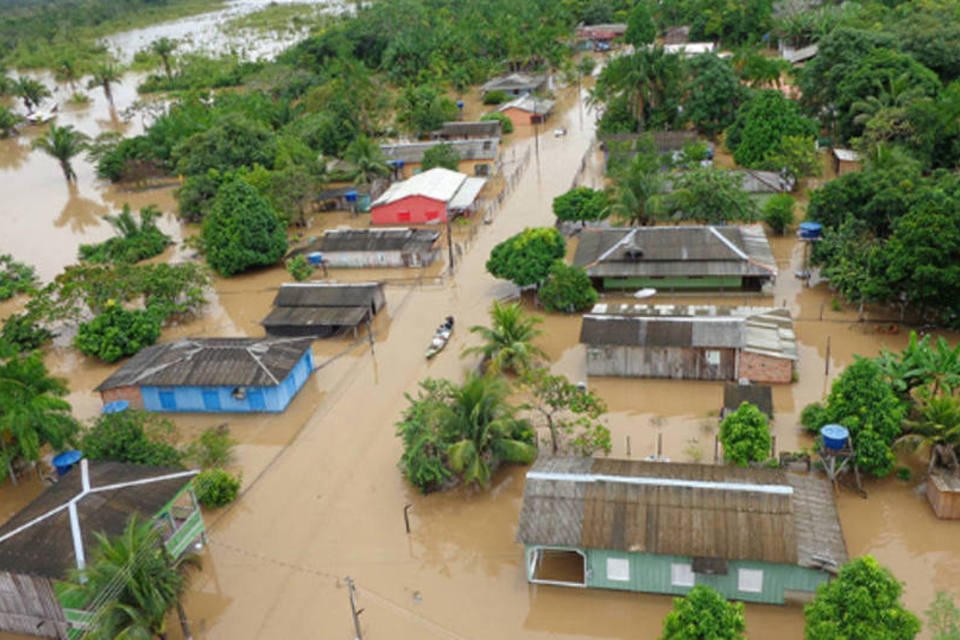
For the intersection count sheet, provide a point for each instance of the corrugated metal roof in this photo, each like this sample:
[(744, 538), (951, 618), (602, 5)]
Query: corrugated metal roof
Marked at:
[(467, 193), (846, 155), (681, 509), (392, 239), (472, 149), (514, 82), (211, 362), (316, 316), (437, 184), (328, 294), (473, 129), (530, 104)]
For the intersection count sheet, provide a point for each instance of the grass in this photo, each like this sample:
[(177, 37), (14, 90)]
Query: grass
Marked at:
[(280, 18)]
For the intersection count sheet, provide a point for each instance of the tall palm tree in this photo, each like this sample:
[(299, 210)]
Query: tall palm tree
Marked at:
[(508, 343), (67, 71), (489, 433), (368, 159), (31, 91), (134, 583), (164, 47), (939, 429), (638, 190), (104, 75), (62, 144)]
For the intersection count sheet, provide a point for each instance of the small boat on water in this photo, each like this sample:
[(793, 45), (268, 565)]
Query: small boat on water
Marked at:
[(440, 337), (43, 114)]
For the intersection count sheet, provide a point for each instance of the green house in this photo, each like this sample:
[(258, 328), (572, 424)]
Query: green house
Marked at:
[(56, 533), (758, 535)]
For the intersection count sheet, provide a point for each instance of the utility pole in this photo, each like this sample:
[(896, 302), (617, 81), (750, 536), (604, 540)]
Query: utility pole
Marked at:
[(450, 243), (353, 608)]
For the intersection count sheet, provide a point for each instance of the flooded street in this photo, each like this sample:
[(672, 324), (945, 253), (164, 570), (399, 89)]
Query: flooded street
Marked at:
[(323, 498)]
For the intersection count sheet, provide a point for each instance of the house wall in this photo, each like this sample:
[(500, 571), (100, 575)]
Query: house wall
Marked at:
[(410, 210), (662, 284), (765, 369), (206, 399), (359, 259), (944, 500), (466, 166), (130, 394), (29, 605), (660, 362), (519, 117), (843, 167)]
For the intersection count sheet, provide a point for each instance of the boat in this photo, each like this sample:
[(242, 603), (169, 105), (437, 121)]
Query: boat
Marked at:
[(440, 337), (645, 293), (43, 115)]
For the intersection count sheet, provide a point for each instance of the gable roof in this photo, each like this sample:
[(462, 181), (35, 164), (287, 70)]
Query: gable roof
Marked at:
[(514, 82), (705, 511), (474, 129), (389, 239), (211, 362), (44, 546), (530, 104), (327, 294), (472, 149), (676, 251), (437, 184)]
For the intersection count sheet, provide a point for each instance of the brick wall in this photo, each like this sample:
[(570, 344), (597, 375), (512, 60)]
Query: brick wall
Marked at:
[(130, 394), (765, 369)]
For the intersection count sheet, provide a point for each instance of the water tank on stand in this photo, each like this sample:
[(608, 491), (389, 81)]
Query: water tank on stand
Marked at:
[(835, 437), (315, 258)]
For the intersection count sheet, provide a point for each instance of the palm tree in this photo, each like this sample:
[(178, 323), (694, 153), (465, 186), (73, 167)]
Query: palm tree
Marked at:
[(67, 71), (104, 75), (939, 429), (489, 431), (164, 47), (639, 189), (368, 160), (508, 344), (134, 583), (8, 122), (62, 144), (31, 91)]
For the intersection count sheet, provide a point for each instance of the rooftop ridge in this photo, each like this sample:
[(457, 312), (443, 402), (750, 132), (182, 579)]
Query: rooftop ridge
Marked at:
[(772, 489)]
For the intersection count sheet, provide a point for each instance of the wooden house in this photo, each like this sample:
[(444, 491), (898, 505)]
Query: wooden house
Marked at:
[(527, 110), (732, 258), (219, 375), (56, 533), (599, 37), (477, 155), (943, 493), (471, 130), (846, 161), (515, 84), (427, 198), (321, 309), (396, 247), (759, 535), (690, 342)]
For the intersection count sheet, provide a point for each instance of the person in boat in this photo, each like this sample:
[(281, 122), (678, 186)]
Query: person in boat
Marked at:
[(448, 323)]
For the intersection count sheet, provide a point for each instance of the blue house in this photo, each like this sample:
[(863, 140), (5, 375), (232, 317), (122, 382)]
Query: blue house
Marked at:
[(219, 375)]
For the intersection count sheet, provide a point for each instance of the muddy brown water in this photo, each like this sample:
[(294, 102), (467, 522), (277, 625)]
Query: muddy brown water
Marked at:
[(323, 497)]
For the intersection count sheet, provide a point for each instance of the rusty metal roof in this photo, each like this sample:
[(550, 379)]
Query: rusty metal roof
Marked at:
[(358, 240)]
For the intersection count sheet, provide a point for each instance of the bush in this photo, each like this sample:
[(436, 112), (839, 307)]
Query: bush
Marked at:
[(581, 204), (133, 436), (15, 277), (495, 97), (214, 448), (24, 333), (745, 436), (567, 289), (299, 268), (704, 614), (441, 155), (216, 488), (506, 124), (135, 241), (778, 213), (118, 332), (527, 257)]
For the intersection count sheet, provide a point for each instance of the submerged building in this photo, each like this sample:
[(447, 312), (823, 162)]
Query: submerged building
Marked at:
[(322, 309)]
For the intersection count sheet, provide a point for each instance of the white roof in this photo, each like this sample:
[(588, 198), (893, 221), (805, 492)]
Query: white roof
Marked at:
[(530, 104), (846, 155), (467, 193), (690, 48), (438, 184)]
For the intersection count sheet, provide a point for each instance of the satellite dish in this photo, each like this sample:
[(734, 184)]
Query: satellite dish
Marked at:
[(644, 293)]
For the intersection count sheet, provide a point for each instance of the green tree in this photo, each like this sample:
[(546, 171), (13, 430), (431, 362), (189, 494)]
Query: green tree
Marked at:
[(15, 277), (132, 436), (33, 413), (639, 188), (581, 204), (299, 268), (24, 332), (424, 108), (62, 144), (216, 488), (134, 583), (526, 258), (31, 91), (745, 436), (367, 158), (714, 93), (943, 618), (567, 289), (778, 212), (118, 332), (441, 155), (569, 413), (712, 196), (164, 48), (136, 240), (703, 614), (937, 429), (105, 75), (213, 448), (862, 400), (649, 83), (8, 122), (641, 30), (862, 603), (508, 342), (506, 124), (796, 156), (761, 125), (242, 231), (233, 142)]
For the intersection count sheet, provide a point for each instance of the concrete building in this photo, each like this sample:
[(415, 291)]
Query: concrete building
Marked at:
[(527, 110)]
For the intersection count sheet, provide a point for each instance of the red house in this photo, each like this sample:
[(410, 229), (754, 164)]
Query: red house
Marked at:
[(426, 198), (527, 110)]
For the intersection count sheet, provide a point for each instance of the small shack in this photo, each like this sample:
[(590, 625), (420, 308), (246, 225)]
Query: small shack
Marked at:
[(477, 155), (678, 34), (759, 535), (427, 198), (690, 342), (219, 375), (396, 247), (943, 493), (755, 181), (599, 37), (798, 55), (515, 84), (845, 161), (56, 533), (690, 49), (473, 130), (321, 309), (736, 393), (729, 258), (527, 110), (349, 197)]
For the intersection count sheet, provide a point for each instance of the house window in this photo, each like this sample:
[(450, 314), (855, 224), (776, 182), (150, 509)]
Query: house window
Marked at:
[(168, 400), (403, 216), (713, 357), (750, 580), (681, 575), (618, 569)]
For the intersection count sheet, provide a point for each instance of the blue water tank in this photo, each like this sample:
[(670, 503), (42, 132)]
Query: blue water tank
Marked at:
[(835, 436), (460, 105), (117, 406), (351, 196), (810, 230), (65, 461), (315, 258)]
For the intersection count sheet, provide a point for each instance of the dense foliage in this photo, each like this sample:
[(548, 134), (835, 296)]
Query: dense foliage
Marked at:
[(943, 618), (15, 277), (135, 241), (761, 125), (711, 196), (526, 258), (778, 212), (581, 204), (213, 448), (567, 289), (508, 341), (570, 414), (216, 488), (441, 155), (861, 603), (703, 614), (134, 436), (506, 124), (118, 332), (745, 436), (714, 93), (24, 333)]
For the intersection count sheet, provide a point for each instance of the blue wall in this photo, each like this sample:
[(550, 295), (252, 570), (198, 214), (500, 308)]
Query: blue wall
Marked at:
[(220, 399)]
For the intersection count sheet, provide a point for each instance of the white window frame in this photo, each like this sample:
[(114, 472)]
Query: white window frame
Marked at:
[(618, 569), (681, 575), (712, 357), (750, 580)]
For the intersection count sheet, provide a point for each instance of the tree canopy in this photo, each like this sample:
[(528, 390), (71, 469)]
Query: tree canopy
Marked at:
[(567, 289), (526, 258), (441, 155), (745, 435), (581, 204), (761, 125), (703, 614)]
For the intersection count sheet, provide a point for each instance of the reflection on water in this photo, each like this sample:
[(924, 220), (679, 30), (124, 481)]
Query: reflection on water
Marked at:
[(80, 212)]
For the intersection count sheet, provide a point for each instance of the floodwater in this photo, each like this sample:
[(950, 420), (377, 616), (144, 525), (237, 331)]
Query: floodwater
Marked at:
[(323, 498)]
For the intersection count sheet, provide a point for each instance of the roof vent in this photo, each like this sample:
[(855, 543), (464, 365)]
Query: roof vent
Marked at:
[(633, 253)]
